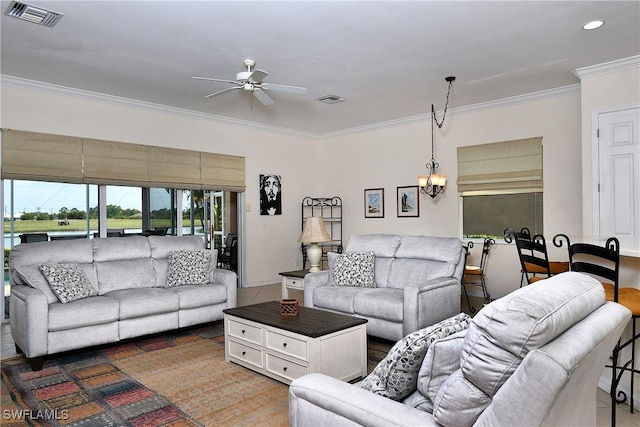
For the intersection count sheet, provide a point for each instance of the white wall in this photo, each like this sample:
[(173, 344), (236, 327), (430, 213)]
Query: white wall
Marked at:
[(270, 241), (395, 155)]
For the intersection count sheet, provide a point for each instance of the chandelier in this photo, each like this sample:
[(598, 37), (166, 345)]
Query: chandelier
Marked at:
[(433, 184)]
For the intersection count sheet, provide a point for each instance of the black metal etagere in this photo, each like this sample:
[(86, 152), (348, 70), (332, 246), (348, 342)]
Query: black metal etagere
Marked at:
[(330, 210)]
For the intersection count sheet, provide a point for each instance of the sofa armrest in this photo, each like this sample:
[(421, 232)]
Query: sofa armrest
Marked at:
[(430, 302), (229, 279), (311, 282), (317, 400), (29, 315)]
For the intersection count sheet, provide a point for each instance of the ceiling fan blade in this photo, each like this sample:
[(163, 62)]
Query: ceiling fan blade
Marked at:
[(215, 80), (258, 75), (284, 88), (223, 91), (262, 97)]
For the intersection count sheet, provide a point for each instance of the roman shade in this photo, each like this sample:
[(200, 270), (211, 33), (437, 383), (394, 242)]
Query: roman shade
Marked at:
[(41, 157), (58, 158), (507, 166)]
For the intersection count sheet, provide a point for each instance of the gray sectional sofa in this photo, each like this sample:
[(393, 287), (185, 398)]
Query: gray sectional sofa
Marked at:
[(533, 357), (129, 296), (416, 283)]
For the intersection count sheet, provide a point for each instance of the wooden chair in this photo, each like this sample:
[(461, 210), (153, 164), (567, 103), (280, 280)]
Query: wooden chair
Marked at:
[(534, 259), (603, 262), (228, 258), (476, 273)]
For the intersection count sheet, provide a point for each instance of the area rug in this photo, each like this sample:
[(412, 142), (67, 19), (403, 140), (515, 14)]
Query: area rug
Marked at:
[(175, 379)]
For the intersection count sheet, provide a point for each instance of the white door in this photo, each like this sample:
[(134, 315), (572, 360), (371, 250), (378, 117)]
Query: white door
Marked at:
[(619, 174)]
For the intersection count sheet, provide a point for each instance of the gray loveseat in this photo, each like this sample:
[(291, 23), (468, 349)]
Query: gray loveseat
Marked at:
[(128, 274), (417, 283), (533, 357)]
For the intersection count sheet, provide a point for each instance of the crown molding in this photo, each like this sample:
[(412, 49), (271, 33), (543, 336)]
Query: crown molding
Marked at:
[(34, 85), (607, 67), (117, 100)]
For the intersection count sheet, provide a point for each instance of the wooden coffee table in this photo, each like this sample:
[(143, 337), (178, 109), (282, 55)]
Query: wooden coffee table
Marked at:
[(287, 347)]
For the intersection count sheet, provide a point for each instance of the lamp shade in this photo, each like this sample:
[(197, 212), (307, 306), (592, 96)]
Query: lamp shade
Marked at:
[(314, 231)]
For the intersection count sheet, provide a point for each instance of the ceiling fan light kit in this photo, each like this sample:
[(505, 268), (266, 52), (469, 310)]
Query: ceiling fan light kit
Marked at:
[(252, 81)]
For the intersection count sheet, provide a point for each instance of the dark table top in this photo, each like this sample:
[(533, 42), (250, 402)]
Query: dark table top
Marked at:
[(310, 322), (297, 273)]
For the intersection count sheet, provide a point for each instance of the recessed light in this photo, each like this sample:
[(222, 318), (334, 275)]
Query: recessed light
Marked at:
[(592, 25), (330, 99)]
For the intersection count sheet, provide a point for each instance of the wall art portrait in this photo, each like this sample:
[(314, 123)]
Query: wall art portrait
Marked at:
[(270, 195)]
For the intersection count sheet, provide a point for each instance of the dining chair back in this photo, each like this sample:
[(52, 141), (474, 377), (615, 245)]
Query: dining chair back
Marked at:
[(475, 274), (603, 263)]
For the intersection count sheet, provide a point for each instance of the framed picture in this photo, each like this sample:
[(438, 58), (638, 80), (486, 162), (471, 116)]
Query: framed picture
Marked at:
[(270, 194), (374, 203), (408, 201)]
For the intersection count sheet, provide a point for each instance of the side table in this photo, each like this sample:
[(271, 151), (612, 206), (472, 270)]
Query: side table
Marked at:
[(292, 280)]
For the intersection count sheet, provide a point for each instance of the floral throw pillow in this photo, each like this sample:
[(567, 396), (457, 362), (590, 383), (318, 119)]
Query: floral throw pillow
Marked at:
[(188, 268), (67, 281), (354, 269), (396, 376)]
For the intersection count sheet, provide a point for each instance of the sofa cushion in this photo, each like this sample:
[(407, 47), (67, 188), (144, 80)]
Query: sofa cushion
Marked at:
[(396, 375), (367, 303), (411, 271), (125, 274), (442, 359), (384, 245), (443, 249), (136, 303), (188, 268), (120, 248), (67, 281), (96, 310), (353, 269), (162, 245), (194, 296), (504, 332), (31, 275), (337, 298)]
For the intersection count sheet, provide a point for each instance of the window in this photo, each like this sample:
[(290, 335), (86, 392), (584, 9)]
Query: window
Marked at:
[(501, 186)]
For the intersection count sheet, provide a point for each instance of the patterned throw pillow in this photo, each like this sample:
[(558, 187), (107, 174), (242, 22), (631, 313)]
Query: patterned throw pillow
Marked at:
[(396, 375), (67, 281), (354, 269), (188, 268)]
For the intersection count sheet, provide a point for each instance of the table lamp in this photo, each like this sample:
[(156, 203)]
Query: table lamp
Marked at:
[(313, 233)]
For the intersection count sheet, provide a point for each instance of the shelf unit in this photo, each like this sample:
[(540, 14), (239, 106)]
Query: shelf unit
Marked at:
[(330, 210)]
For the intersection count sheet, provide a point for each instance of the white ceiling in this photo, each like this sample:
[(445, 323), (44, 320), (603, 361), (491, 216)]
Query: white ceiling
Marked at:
[(388, 59)]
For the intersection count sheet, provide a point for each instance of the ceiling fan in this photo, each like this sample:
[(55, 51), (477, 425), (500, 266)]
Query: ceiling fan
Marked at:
[(251, 80)]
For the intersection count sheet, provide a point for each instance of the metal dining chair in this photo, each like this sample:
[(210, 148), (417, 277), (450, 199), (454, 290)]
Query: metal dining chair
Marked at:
[(475, 274), (534, 259), (603, 262)]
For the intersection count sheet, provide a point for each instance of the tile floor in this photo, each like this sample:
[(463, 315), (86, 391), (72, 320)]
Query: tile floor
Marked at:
[(258, 294)]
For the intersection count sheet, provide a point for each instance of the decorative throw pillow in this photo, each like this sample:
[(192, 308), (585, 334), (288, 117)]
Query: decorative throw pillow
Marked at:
[(396, 375), (67, 281), (354, 269), (188, 268)]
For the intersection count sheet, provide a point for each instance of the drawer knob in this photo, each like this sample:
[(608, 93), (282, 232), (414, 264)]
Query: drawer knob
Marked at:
[(243, 331), (284, 344), (244, 352), (284, 369)]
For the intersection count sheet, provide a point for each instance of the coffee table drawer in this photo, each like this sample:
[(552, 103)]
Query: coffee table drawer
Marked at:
[(246, 332), (286, 344), (284, 368), (245, 353)]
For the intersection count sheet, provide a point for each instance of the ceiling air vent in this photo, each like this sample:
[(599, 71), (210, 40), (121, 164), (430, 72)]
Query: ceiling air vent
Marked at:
[(331, 99), (33, 14)]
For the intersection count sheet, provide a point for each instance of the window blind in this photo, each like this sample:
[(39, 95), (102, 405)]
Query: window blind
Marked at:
[(507, 166), (58, 158), (41, 157)]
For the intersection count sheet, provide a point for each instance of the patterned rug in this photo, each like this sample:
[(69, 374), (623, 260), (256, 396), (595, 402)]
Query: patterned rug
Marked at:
[(175, 379)]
